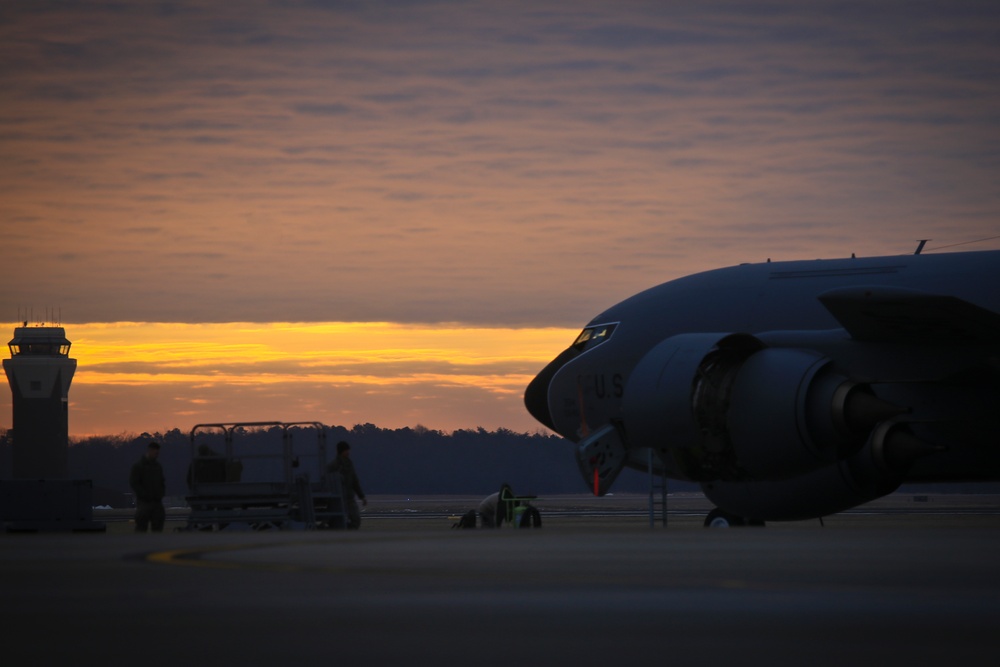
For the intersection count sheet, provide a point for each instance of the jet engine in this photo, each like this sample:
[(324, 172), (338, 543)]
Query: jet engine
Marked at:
[(727, 407), (872, 472)]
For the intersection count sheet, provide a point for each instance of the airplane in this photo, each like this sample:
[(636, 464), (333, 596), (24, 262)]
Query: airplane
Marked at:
[(790, 390)]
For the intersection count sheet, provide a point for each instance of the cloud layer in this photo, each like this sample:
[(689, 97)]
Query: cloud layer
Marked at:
[(522, 164)]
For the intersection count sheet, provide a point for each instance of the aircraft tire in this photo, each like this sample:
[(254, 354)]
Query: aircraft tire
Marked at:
[(531, 518), (720, 519)]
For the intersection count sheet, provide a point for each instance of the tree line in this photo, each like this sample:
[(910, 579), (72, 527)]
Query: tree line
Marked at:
[(403, 461)]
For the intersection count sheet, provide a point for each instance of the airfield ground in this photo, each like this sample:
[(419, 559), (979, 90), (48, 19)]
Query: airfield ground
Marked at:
[(628, 511), (906, 580)]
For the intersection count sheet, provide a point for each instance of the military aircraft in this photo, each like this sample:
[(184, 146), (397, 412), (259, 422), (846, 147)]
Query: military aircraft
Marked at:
[(790, 390)]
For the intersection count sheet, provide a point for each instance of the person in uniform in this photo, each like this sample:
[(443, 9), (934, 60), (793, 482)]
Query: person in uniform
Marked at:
[(495, 508), (149, 486), (206, 467), (349, 483)]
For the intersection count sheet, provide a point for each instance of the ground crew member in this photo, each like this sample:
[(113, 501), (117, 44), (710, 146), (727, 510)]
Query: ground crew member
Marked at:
[(349, 483), (494, 508), (207, 467), (149, 486)]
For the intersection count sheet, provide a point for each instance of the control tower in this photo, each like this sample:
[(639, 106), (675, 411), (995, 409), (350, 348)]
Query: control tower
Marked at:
[(39, 372), (41, 496)]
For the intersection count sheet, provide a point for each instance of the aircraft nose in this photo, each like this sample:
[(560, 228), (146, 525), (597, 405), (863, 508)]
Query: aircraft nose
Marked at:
[(536, 399), (536, 396)]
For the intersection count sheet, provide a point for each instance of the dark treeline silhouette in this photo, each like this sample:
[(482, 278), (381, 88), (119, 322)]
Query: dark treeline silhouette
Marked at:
[(405, 461)]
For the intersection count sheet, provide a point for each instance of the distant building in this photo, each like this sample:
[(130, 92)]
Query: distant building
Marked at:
[(39, 372)]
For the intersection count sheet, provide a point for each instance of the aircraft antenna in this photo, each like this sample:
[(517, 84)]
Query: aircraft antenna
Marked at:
[(920, 247), (942, 247)]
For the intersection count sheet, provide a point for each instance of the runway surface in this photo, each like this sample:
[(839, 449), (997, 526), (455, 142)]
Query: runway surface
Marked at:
[(918, 587)]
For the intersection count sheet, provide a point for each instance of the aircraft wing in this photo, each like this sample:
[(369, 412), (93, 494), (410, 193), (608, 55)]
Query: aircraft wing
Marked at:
[(892, 314)]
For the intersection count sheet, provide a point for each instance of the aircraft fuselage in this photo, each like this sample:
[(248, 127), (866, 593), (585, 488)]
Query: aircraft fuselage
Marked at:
[(769, 381)]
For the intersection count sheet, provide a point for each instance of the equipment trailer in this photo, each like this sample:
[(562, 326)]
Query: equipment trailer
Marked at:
[(220, 500)]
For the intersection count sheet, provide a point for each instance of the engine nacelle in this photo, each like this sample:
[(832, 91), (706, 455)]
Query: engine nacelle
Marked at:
[(786, 413), (726, 407), (874, 471)]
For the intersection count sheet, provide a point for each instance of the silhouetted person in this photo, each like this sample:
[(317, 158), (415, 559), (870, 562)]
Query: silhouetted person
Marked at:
[(207, 467), (149, 486), (349, 483), (495, 508)]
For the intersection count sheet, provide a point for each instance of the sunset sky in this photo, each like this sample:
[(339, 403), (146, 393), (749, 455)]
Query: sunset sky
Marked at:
[(398, 212)]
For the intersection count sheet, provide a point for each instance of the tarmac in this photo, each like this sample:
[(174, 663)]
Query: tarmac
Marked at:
[(905, 580)]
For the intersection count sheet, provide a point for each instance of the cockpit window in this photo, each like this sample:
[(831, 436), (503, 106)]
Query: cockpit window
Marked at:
[(594, 336)]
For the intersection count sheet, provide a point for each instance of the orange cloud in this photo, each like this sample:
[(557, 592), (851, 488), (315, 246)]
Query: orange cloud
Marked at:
[(383, 373)]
